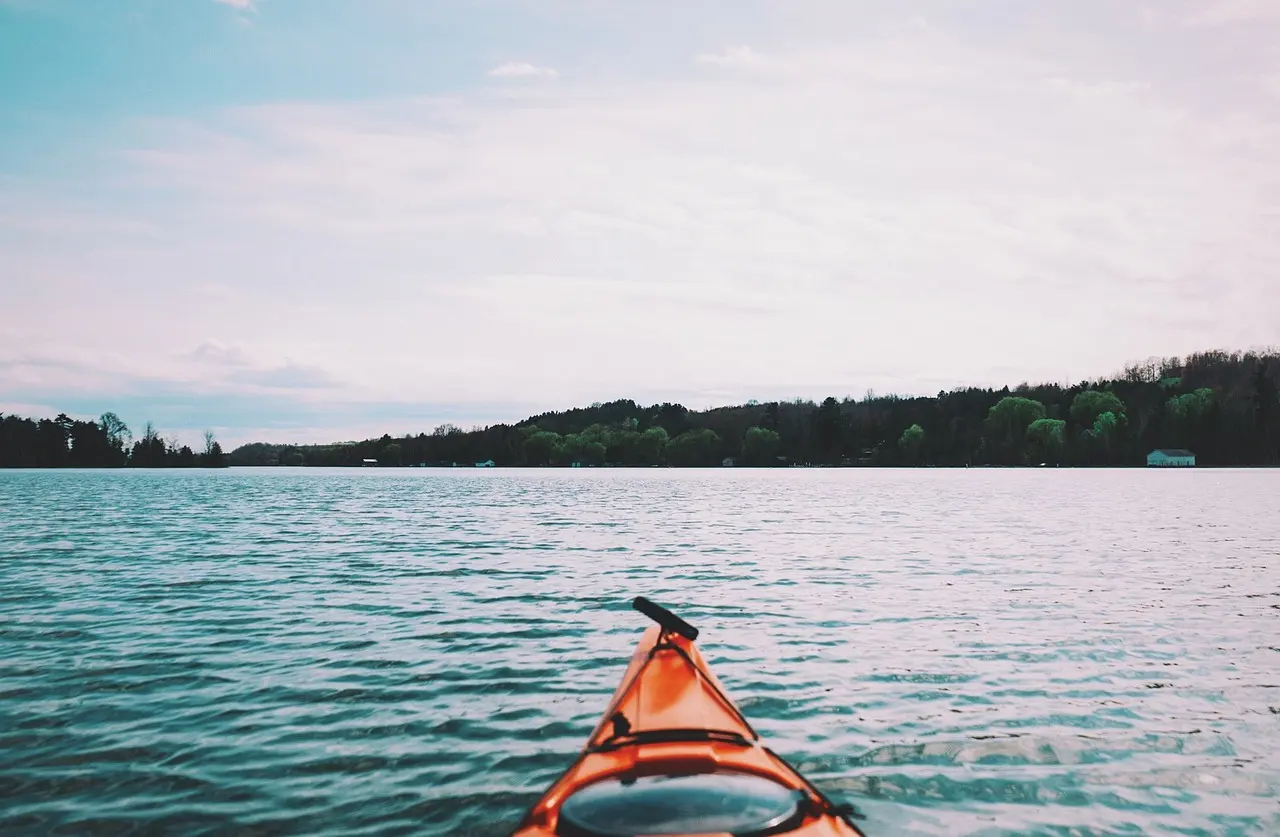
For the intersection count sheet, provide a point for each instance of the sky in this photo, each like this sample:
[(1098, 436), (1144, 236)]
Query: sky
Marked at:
[(313, 220)]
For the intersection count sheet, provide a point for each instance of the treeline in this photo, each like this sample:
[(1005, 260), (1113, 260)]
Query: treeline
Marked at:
[(1222, 406), (64, 442)]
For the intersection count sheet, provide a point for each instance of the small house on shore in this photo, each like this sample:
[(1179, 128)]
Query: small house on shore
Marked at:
[(1171, 458), (368, 463)]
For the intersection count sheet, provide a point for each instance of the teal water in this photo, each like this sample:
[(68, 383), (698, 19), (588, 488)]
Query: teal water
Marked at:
[(422, 652)]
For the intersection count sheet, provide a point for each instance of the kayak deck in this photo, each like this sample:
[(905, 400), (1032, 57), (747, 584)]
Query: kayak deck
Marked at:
[(673, 756)]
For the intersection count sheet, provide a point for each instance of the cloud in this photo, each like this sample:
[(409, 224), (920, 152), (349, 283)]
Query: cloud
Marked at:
[(212, 367), (519, 69), (69, 368), (239, 4), (289, 376), (822, 201), (232, 365), (1233, 12), (219, 353), (736, 56), (26, 409), (889, 212), (220, 365)]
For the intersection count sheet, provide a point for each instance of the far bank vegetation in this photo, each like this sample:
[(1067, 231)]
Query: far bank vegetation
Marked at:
[(1222, 405)]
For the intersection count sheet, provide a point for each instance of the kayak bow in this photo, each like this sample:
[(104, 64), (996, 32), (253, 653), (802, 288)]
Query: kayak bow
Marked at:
[(673, 756)]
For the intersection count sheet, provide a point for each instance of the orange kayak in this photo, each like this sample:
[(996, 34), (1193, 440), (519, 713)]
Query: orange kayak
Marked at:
[(673, 756)]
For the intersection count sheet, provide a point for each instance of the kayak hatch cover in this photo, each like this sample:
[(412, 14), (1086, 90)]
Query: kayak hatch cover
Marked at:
[(673, 756)]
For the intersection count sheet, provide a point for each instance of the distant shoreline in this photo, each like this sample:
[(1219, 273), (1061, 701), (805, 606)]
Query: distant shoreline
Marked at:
[(1212, 409), (1220, 408), (752, 468)]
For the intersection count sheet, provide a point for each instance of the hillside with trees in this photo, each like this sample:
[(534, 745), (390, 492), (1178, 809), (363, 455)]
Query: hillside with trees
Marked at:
[(1221, 405)]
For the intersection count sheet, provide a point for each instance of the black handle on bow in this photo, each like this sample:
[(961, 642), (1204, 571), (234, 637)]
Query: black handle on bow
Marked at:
[(668, 620)]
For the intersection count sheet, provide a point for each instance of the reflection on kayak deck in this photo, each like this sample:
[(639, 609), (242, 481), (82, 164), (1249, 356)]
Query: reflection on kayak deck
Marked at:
[(674, 756), (732, 803)]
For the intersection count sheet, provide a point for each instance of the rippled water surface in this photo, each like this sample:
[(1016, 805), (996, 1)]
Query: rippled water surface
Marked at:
[(422, 652)]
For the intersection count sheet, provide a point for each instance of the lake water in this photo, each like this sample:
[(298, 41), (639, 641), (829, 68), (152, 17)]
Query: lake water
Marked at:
[(422, 652)]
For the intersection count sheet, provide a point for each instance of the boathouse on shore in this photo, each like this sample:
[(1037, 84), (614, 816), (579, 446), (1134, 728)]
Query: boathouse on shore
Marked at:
[(1171, 458)]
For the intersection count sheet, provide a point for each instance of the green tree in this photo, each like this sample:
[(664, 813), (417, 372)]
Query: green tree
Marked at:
[(1191, 406), (760, 447), (621, 447), (1088, 405), (1189, 416), (1046, 439), (1106, 425), (911, 442), (1105, 436), (390, 455), (592, 453), (1012, 414), (828, 428), (694, 448), (594, 444), (539, 448), (582, 448), (650, 448), (1007, 424)]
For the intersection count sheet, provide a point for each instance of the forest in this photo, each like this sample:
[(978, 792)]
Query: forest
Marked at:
[(1223, 406), (64, 442)]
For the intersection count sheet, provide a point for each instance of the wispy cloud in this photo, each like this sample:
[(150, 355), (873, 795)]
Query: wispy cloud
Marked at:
[(736, 56), (838, 193), (1233, 12), (27, 409), (218, 353), (290, 376), (239, 4), (936, 199), (520, 69)]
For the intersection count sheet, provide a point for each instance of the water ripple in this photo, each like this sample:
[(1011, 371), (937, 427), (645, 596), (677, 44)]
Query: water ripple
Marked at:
[(422, 652)]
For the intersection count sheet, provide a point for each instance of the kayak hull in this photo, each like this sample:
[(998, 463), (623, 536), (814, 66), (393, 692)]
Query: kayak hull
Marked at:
[(670, 716)]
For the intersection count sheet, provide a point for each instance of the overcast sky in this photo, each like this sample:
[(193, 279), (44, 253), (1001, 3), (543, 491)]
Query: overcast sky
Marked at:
[(325, 219)]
